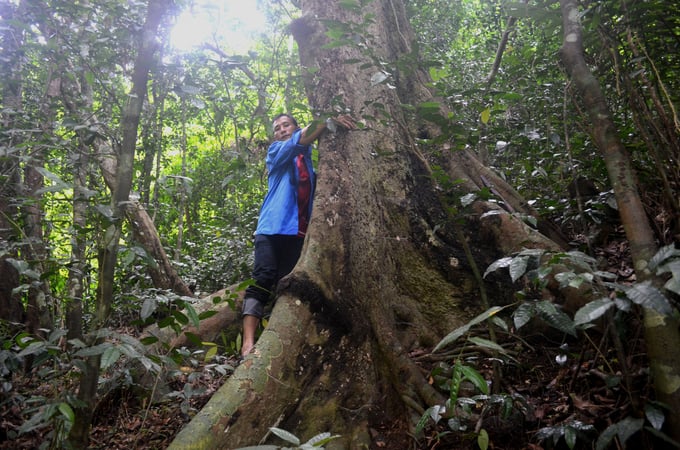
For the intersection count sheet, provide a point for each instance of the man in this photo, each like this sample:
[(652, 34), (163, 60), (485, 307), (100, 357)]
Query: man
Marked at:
[(285, 213)]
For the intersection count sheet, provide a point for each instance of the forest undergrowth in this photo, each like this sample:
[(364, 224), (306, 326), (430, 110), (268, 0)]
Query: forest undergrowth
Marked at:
[(554, 392)]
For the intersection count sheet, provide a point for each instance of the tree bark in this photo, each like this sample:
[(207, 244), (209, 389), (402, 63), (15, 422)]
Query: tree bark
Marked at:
[(381, 273), (661, 332)]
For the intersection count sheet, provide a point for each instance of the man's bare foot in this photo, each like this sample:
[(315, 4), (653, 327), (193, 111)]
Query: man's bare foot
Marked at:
[(250, 324), (246, 349)]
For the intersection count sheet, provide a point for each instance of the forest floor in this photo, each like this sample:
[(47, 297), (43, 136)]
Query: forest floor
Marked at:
[(555, 389)]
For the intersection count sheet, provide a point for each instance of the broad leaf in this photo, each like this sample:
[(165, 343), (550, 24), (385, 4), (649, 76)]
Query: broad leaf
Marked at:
[(320, 440), (556, 318), (664, 253), (624, 429), (180, 317), (518, 267), (148, 307), (207, 314), (485, 116), (592, 311), (285, 435), (148, 340), (570, 437), (193, 316), (483, 439), (94, 350), (523, 314), (109, 357), (211, 353), (66, 411), (475, 378), (498, 264), (673, 285), (647, 296), (654, 415), (500, 323)]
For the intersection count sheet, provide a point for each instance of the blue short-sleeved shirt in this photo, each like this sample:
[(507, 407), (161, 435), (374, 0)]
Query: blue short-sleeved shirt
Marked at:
[(279, 212)]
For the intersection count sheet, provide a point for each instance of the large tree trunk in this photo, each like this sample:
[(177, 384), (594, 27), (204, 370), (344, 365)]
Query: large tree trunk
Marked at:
[(661, 332), (381, 273)]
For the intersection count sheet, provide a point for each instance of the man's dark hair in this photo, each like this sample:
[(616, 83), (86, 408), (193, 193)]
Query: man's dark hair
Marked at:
[(278, 116)]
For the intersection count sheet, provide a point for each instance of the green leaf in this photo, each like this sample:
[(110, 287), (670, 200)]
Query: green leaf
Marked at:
[(456, 378), (320, 440), (242, 286), (420, 426), (437, 73), (66, 411), (518, 267), (24, 339), (23, 268), (673, 285), (432, 106), (193, 316), (130, 351), (148, 307), (485, 116), (672, 266), (471, 374), (193, 338), (33, 348), (93, 350), (647, 296), (148, 340), (285, 435), (59, 184), (207, 314), (570, 437), (555, 318), (109, 357), (592, 311), (455, 334), (523, 314), (664, 253), (498, 264), (654, 416), (486, 343), (180, 317), (623, 429), (166, 322), (500, 323), (483, 439), (211, 353)]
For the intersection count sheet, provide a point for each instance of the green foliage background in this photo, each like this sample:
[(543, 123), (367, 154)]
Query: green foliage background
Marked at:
[(205, 128)]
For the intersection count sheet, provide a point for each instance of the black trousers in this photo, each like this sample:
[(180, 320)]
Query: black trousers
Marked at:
[(275, 257)]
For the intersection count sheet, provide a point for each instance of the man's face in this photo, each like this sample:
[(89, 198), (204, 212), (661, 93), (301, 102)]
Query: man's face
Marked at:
[(283, 128)]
